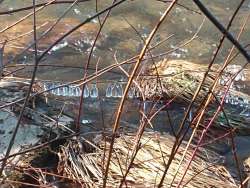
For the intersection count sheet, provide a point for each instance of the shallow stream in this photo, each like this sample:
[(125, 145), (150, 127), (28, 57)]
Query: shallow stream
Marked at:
[(122, 36)]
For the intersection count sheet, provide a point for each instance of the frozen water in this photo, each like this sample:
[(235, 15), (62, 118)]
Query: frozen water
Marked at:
[(115, 91), (132, 93), (94, 91), (109, 90), (119, 90), (86, 92), (236, 69)]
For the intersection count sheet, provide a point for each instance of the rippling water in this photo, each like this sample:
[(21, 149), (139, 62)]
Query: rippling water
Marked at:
[(119, 37)]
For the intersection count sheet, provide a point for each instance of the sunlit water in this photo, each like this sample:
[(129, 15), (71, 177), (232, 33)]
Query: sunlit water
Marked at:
[(123, 35)]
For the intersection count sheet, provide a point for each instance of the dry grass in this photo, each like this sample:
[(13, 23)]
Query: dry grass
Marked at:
[(180, 79), (147, 169)]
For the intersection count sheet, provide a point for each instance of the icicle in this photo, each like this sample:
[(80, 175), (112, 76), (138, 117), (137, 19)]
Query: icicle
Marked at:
[(119, 90), (190, 117), (109, 91), (74, 92), (86, 91), (66, 91), (131, 93), (70, 91), (94, 91), (115, 91), (78, 91)]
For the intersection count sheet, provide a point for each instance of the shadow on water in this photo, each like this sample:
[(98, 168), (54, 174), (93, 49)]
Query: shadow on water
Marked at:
[(119, 38)]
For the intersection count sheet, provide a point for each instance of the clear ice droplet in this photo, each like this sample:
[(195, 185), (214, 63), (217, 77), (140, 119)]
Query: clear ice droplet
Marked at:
[(86, 92), (94, 91), (115, 91), (119, 90), (109, 90)]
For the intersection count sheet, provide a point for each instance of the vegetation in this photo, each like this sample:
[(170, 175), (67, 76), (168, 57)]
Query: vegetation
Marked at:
[(47, 139)]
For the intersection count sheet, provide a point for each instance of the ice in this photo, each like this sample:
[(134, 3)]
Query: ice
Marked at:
[(94, 91), (119, 90), (109, 90), (236, 69), (86, 92)]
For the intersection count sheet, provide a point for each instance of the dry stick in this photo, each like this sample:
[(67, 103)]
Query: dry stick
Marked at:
[(35, 169), (37, 5), (12, 72), (199, 172), (96, 9), (236, 159), (77, 128), (245, 182), (25, 184), (119, 111), (56, 66), (27, 97), (196, 94)]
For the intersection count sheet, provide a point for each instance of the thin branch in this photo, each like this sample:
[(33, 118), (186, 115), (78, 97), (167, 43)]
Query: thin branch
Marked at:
[(130, 80), (12, 141), (37, 5), (223, 30)]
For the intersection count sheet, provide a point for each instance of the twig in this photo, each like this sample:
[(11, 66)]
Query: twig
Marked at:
[(223, 30), (37, 5), (130, 80), (87, 66), (11, 143)]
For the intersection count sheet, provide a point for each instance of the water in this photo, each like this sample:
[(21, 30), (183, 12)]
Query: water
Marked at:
[(119, 38), (66, 61)]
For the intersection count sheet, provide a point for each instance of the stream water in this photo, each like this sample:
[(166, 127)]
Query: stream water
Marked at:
[(122, 36)]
